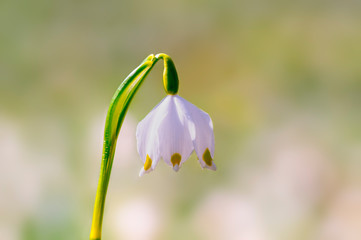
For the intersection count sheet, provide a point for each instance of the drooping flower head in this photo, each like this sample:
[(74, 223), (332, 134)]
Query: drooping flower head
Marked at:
[(172, 130)]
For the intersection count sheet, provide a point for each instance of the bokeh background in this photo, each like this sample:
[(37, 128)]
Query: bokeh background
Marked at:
[(280, 79)]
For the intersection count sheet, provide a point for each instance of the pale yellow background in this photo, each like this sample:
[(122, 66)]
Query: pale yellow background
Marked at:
[(280, 79)]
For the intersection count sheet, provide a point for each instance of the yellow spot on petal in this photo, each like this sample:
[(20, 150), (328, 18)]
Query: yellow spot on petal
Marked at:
[(175, 159), (207, 157), (148, 163)]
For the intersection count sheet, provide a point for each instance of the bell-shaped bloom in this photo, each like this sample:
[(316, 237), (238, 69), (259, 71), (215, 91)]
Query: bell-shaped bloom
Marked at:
[(172, 130)]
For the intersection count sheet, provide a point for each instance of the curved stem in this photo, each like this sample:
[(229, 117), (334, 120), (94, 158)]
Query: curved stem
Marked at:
[(115, 116)]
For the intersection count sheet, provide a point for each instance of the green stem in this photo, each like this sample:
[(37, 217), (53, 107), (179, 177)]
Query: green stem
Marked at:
[(115, 116)]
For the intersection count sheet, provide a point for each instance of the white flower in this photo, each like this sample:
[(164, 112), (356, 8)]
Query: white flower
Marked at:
[(172, 130)]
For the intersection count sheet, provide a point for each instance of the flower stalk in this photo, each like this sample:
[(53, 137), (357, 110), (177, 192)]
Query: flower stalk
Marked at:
[(115, 116)]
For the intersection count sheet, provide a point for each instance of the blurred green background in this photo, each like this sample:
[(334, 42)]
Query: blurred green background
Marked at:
[(280, 79)]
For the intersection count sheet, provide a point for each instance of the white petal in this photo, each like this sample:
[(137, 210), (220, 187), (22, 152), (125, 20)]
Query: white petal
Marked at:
[(147, 138), (142, 172), (201, 131), (176, 167), (175, 142)]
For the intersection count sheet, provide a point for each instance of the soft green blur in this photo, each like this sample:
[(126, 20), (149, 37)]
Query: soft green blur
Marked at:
[(280, 79)]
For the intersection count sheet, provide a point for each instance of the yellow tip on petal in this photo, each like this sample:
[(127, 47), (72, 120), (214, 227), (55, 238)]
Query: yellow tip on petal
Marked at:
[(207, 157), (148, 163), (175, 159)]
